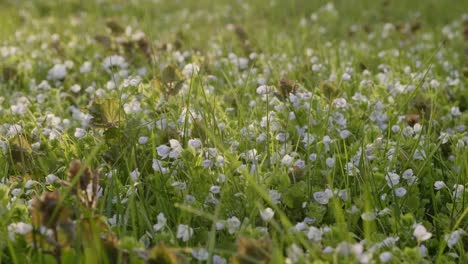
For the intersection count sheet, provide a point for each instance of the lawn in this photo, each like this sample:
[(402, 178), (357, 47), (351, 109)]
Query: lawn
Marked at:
[(280, 131)]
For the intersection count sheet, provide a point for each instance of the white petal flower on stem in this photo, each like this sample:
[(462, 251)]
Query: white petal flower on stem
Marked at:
[(452, 238), (184, 232), (420, 233), (392, 179), (161, 222), (233, 224), (267, 214), (314, 234), (400, 192), (438, 185), (134, 175)]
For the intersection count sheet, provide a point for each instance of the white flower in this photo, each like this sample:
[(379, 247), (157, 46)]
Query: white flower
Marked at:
[(434, 83), (219, 260), (184, 232), (275, 196), (190, 70), (385, 256), (345, 134), (455, 111), (195, 143), (420, 233), (392, 179), (58, 72), (114, 61), (330, 162), (29, 184), (314, 234), (346, 77), (18, 228), (51, 178), (453, 237), (16, 192), (233, 224), (134, 175), (158, 166), (458, 190), (400, 192), (287, 160), (368, 216), (340, 103), (80, 132), (86, 67), (267, 214), (313, 157), (173, 151), (215, 189), (113, 220), (438, 185), (322, 197), (142, 140), (75, 88), (161, 222), (265, 89), (201, 254), (407, 174)]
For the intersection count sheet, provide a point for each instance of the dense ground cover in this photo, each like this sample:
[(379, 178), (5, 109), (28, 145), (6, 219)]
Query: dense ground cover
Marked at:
[(233, 131)]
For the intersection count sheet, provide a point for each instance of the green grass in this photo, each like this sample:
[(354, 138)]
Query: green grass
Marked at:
[(379, 88)]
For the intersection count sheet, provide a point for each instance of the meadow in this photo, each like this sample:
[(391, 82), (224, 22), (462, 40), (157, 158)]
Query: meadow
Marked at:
[(153, 131)]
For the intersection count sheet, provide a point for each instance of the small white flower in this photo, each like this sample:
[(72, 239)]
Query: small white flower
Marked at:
[(233, 224), (58, 72), (368, 216), (385, 256), (400, 192), (51, 178), (340, 103), (322, 197), (346, 77), (455, 111), (452, 238), (161, 222), (267, 214), (314, 234), (201, 254), (275, 196), (16, 192), (313, 157), (142, 140), (29, 184), (75, 88), (184, 232), (114, 61), (195, 143), (265, 89), (330, 162), (18, 228), (219, 260), (434, 83), (420, 233), (458, 190), (113, 220), (158, 166), (287, 160), (345, 134), (134, 175), (438, 185), (190, 70), (215, 189), (80, 132), (392, 179)]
